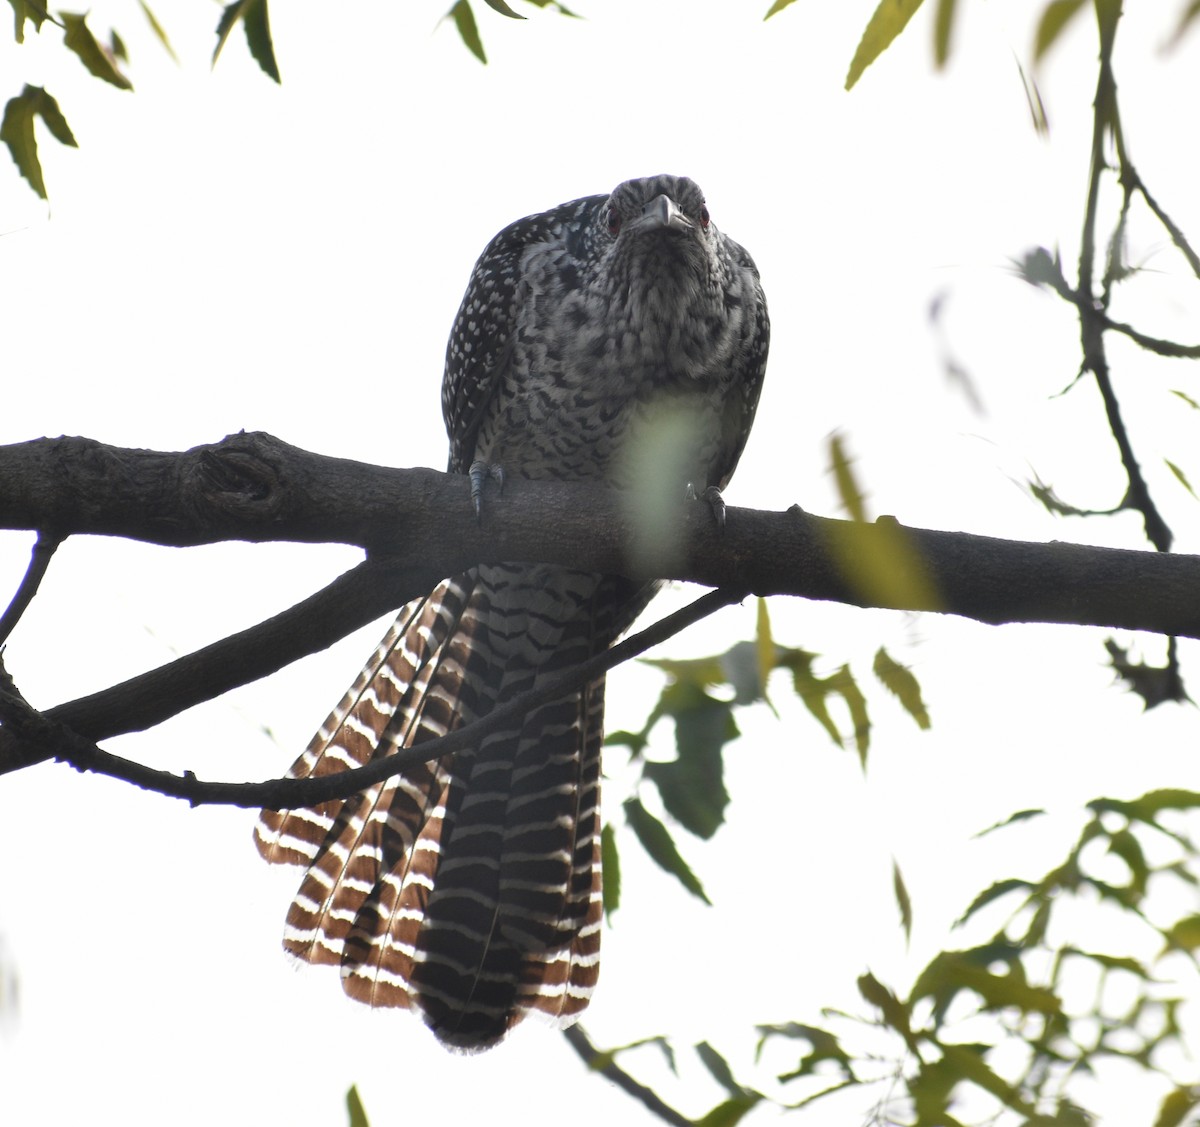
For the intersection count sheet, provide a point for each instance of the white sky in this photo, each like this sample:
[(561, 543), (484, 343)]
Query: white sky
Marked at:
[(225, 254)]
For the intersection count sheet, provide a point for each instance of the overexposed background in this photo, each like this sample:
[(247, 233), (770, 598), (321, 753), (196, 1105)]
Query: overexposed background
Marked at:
[(221, 253)]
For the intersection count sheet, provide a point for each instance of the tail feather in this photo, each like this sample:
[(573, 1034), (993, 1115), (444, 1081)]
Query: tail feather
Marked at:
[(467, 888)]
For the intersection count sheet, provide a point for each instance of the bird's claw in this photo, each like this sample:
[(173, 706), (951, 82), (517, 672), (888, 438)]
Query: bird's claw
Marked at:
[(711, 495), (479, 472)]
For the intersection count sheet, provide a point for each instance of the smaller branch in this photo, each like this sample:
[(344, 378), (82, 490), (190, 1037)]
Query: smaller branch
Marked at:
[(1177, 236), (1169, 348), (354, 599), (1093, 312), (610, 1070), (42, 737), (39, 560)]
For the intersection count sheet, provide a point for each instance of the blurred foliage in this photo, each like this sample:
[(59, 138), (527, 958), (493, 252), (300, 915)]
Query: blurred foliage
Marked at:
[(354, 1108), (699, 700), (102, 57), (1042, 1005)]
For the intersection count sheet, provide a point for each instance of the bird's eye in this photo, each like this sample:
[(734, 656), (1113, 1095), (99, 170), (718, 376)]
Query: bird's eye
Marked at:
[(705, 218), (614, 221)]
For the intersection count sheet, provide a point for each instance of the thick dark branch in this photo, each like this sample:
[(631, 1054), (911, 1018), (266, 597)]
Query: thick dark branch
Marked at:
[(255, 487), (426, 519)]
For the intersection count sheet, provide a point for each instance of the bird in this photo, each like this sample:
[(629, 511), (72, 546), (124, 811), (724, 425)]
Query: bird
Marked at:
[(468, 888)]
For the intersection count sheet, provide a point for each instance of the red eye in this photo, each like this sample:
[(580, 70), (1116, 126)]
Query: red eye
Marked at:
[(705, 218), (614, 221)]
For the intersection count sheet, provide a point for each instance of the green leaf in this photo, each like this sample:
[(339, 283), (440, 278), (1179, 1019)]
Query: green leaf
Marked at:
[(468, 31), (159, 31), (610, 866), (1038, 117), (1182, 1100), (256, 24), (950, 972), (883, 563), (1012, 820), (1183, 935), (1000, 888), (1155, 684), (814, 691), (693, 785), (730, 1111), (967, 1061), (1148, 807), (899, 680), (501, 7), (561, 9), (825, 1046), (1187, 17), (354, 1106), (779, 5), (258, 37), (843, 682), (116, 46), (1051, 502), (16, 131), (1126, 846), (848, 490), (810, 689), (229, 16), (895, 1013), (902, 900), (764, 645), (657, 841), (1182, 394), (1055, 17), (604, 1057), (888, 21), (23, 10), (718, 1068), (79, 39), (1180, 476), (943, 29), (1111, 962)]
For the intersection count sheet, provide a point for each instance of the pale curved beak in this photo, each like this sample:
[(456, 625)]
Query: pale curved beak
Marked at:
[(662, 212)]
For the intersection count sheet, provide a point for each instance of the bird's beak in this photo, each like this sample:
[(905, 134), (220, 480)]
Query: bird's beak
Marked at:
[(662, 212)]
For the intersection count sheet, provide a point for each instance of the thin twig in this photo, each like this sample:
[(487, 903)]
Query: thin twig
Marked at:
[(608, 1068), (53, 739), (39, 560), (1093, 313), (1169, 348), (1177, 235)]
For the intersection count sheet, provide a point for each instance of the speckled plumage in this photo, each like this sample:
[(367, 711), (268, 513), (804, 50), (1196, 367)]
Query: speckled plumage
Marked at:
[(469, 889)]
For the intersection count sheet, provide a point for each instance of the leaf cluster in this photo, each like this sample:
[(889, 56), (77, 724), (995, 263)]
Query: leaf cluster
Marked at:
[(700, 700), (1006, 1026), (106, 58)]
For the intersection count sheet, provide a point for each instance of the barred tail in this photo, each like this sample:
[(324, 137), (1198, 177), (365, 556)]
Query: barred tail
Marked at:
[(467, 888)]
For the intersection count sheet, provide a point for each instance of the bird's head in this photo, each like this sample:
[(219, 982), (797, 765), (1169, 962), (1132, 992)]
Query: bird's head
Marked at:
[(658, 217)]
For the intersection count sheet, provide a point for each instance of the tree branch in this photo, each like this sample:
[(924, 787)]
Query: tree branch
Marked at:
[(39, 560), (255, 487), (419, 527), (40, 736), (350, 601)]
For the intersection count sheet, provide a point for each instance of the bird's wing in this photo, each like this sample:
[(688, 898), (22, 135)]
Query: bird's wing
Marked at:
[(482, 338)]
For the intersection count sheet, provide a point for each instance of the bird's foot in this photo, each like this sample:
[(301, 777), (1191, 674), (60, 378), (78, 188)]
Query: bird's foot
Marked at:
[(479, 472), (712, 496)]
